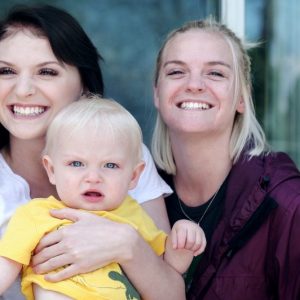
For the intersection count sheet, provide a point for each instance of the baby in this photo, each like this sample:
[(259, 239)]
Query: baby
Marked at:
[(93, 157)]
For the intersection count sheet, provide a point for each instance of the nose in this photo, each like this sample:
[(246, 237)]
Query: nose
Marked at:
[(93, 176), (195, 83), (25, 87)]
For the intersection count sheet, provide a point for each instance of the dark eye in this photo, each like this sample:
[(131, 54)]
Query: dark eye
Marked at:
[(7, 71), (111, 165), (48, 72), (76, 164)]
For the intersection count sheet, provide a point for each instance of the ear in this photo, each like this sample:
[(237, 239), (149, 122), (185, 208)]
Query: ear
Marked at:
[(48, 165), (137, 171), (240, 106), (155, 95)]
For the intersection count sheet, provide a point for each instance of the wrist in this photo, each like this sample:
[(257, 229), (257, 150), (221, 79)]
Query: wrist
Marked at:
[(129, 244)]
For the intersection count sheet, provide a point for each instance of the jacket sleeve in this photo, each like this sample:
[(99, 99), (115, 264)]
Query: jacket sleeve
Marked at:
[(286, 243)]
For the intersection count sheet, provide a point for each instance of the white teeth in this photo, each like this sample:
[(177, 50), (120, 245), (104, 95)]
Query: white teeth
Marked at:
[(28, 111), (194, 105)]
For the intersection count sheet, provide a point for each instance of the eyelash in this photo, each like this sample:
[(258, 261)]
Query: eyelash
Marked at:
[(175, 72), (6, 71), (76, 164), (112, 166), (48, 72), (216, 73), (43, 72)]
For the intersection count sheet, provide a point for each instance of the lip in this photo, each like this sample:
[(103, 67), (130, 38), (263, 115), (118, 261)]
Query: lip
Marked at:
[(93, 196)]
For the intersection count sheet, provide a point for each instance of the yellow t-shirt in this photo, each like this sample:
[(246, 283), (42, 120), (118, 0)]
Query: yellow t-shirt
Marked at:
[(32, 221)]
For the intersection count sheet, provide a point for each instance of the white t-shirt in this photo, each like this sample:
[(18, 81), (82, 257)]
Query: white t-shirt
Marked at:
[(14, 191)]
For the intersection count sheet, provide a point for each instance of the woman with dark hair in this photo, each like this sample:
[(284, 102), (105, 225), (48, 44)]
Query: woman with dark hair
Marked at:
[(47, 62)]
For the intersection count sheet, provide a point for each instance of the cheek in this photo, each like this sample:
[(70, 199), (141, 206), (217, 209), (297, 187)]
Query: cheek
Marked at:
[(164, 94), (67, 92), (5, 88)]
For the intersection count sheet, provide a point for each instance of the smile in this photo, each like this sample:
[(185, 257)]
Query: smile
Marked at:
[(28, 111), (194, 106)]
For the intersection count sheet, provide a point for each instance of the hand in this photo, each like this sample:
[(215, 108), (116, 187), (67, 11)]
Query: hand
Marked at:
[(189, 236), (90, 243)]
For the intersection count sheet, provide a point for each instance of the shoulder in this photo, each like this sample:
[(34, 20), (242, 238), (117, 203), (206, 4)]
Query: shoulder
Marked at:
[(284, 182), (274, 174), (42, 204), (277, 165)]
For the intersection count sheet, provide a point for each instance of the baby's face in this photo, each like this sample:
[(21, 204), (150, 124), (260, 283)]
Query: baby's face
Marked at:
[(92, 172)]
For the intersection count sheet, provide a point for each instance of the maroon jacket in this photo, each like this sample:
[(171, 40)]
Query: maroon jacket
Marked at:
[(254, 253)]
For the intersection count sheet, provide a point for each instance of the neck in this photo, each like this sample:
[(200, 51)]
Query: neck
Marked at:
[(202, 165), (24, 158)]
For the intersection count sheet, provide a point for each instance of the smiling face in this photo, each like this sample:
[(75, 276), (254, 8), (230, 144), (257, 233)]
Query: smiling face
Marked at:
[(92, 171), (195, 88), (34, 85)]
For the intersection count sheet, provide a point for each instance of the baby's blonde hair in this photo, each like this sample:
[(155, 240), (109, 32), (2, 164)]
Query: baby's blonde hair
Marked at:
[(106, 116)]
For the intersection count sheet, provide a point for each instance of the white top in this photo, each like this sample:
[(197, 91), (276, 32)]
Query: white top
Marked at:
[(14, 191)]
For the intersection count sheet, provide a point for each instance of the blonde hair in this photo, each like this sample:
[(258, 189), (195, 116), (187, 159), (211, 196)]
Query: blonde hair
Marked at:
[(106, 116), (246, 132)]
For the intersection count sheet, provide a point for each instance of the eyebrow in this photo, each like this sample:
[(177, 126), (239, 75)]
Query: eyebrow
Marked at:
[(210, 63), (6, 63), (222, 63), (39, 65)]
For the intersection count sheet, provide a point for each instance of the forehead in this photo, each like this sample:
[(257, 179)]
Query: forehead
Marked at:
[(91, 133), (24, 41), (93, 141), (197, 44)]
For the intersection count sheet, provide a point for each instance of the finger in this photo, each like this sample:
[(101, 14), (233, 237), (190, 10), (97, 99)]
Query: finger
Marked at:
[(181, 238), (52, 264), (201, 243), (49, 239), (65, 273), (75, 215), (47, 253), (190, 239), (174, 238), (67, 213)]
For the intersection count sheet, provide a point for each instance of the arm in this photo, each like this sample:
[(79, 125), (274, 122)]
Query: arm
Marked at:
[(11, 269), (156, 209), (105, 242), (187, 240), (149, 192), (286, 254)]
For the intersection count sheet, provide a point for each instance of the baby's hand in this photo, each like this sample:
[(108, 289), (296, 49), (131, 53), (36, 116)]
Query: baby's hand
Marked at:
[(188, 235)]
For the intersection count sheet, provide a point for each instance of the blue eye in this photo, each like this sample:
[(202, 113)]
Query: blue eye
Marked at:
[(76, 164), (111, 165)]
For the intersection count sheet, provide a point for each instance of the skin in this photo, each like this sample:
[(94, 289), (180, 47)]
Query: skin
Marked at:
[(195, 95), (32, 79), (25, 82), (87, 177)]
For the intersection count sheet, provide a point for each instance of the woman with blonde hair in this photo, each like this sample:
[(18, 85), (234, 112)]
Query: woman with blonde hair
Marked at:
[(212, 151)]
